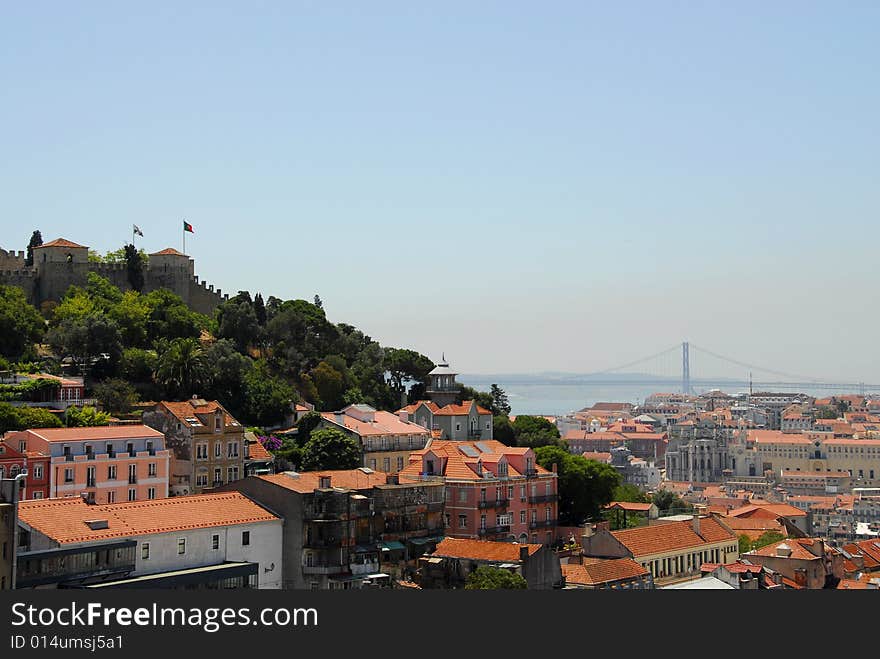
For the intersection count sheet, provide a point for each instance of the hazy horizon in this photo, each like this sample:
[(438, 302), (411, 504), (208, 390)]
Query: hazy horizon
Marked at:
[(565, 187)]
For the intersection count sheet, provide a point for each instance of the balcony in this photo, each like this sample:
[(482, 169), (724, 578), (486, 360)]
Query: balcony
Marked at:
[(493, 503), (544, 498), (324, 568), (90, 456), (216, 483), (68, 457), (494, 530), (547, 523), (111, 454), (323, 543), (90, 482), (531, 473)]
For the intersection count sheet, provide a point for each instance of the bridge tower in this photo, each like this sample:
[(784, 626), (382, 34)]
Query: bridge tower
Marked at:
[(685, 368)]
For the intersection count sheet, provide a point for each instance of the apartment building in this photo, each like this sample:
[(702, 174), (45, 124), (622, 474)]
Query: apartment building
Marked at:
[(206, 441), (493, 491), (220, 540), (15, 460), (386, 439), (106, 464)]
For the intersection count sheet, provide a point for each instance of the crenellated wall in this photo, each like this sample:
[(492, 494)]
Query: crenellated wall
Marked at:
[(53, 273)]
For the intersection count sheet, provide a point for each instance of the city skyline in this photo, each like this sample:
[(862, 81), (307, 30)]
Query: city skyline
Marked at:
[(527, 190)]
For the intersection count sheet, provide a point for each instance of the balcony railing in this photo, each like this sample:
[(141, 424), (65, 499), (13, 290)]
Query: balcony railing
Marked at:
[(493, 503), (90, 456), (132, 480), (216, 483), (531, 473), (540, 524), (544, 498), (325, 568), (323, 543), (68, 457), (493, 530), (90, 482)]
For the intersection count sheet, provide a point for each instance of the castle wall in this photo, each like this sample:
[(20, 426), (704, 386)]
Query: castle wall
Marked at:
[(12, 260), (25, 279)]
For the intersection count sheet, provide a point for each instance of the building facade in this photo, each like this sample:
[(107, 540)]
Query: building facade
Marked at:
[(106, 464), (206, 441)]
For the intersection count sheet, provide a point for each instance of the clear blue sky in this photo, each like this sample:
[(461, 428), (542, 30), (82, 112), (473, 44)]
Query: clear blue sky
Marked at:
[(525, 186)]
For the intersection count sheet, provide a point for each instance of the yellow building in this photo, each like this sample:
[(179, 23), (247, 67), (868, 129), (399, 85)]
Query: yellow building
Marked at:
[(809, 452)]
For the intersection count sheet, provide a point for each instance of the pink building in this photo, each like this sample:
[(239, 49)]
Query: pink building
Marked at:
[(105, 463), (493, 491)]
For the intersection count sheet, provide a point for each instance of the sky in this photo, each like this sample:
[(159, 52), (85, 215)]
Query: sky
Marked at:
[(527, 187)]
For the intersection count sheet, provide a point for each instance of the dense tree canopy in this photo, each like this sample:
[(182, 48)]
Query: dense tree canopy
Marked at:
[(669, 503), (585, 486), (487, 577), (20, 325), (329, 448), (22, 418), (535, 431)]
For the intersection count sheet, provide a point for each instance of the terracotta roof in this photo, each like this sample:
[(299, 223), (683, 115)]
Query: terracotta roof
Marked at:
[(60, 242), (852, 584), (65, 520), (798, 548), (308, 481), (775, 437), (461, 410), (598, 456), (767, 510), (458, 459), (431, 405), (384, 423), (482, 550), (94, 433), (257, 451), (168, 251), (627, 505), (672, 536), (598, 571), (186, 409)]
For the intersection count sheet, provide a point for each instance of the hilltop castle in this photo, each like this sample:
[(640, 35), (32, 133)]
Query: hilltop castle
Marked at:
[(62, 263)]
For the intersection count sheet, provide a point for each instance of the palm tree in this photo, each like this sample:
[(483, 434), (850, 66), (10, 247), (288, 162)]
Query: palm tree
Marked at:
[(181, 367)]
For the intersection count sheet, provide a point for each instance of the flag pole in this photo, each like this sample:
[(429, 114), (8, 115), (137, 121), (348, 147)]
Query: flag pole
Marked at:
[(184, 236)]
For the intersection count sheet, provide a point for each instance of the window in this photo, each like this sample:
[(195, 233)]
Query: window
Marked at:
[(462, 494), (534, 515), (181, 545), (547, 513), (245, 538), (145, 551), (111, 497), (483, 522), (510, 491), (132, 494), (68, 475), (215, 542), (218, 476), (400, 464), (373, 464), (232, 450), (462, 521), (458, 426), (218, 449), (132, 474), (37, 495), (22, 445), (218, 423), (151, 493), (386, 464), (446, 519), (522, 516), (152, 469), (90, 477), (111, 473), (202, 480), (522, 492), (201, 451)]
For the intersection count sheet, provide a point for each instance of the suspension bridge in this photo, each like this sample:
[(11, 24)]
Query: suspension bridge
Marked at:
[(695, 368)]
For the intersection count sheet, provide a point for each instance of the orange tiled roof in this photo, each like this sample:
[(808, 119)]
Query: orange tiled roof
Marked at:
[(482, 550), (798, 548), (598, 571), (598, 456), (461, 410), (758, 508), (775, 437), (168, 251), (64, 520), (384, 423), (94, 433), (257, 451), (672, 536), (182, 410), (457, 464), (627, 505), (851, 584), (59, 242), (431, 405), (308, 481)]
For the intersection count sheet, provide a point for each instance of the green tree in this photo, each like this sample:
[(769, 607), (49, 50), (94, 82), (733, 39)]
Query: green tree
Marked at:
[(20, 324), (116, 395), (22, 418), (500, 404), (181, 368), (87, 340), (134, 267), (669, 503), (237, 321), (405, 367), (768, 538), (228, 370), (267, 398), (329, 448), (535, 431), (502, 430), (585, 486), (260, 310), (482, 398), (306, 425), (170, 318), (131, 314), (487, 577), (35, 241), (745, 543), (78, 417), (330, 384), (630, 493)]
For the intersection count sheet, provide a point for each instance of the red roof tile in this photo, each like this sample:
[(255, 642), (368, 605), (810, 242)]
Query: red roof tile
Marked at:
[(308, 481), (672, 536), (482, 550), (60, 242), (594, 572)]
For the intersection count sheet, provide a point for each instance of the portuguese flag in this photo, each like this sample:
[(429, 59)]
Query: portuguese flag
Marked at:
[(188, 227)]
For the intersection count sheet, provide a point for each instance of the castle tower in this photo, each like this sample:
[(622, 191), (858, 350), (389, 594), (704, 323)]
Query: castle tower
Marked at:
[(59, 265), (442, 388), (172, 270)]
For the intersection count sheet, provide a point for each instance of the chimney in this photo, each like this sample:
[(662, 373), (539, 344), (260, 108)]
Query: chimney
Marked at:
[(695, 523), (783, 550), (589, 530), (392, 479), (523, 553), (404, 415), (553, 468)]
